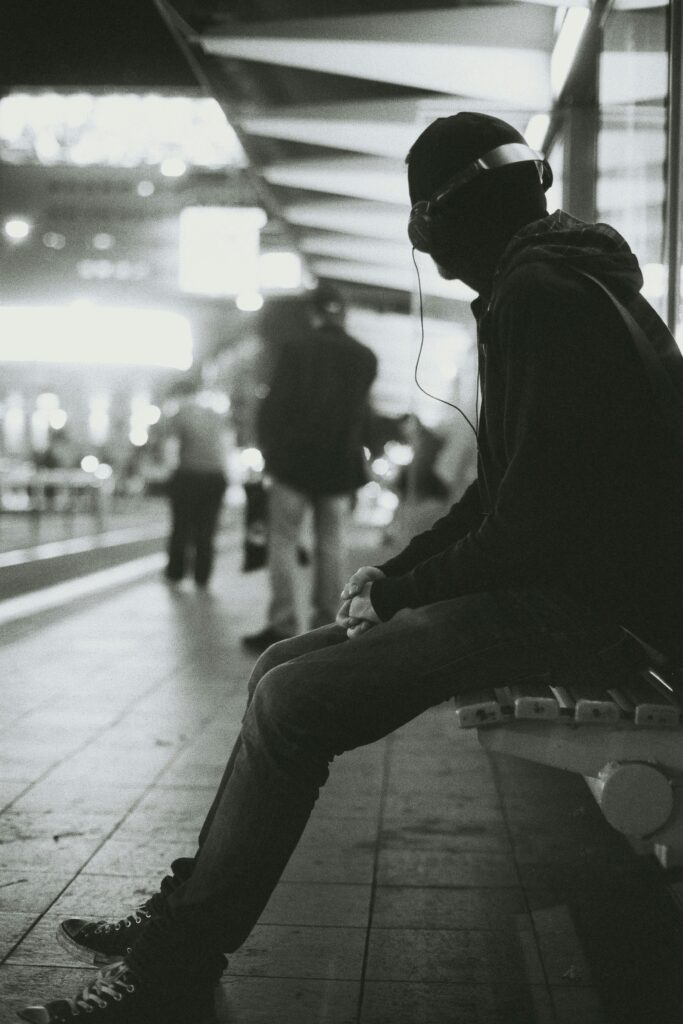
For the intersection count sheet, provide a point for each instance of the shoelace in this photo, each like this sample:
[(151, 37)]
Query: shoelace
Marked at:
[(126, 922), (110, 983)]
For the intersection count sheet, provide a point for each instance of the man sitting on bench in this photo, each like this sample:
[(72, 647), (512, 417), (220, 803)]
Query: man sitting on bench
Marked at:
[(572, 530)]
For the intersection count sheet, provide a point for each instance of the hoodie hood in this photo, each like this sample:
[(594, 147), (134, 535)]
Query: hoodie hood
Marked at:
[(596, 249)]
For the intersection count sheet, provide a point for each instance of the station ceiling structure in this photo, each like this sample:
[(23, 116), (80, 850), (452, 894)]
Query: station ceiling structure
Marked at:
[(327, 99)]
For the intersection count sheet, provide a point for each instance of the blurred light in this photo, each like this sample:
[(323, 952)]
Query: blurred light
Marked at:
[(173, 167), (103, 471), (145, 188), (89, 463), (58, 419), (14, 422), (119, 270), (219, 249), (372, 489), (98, 419), (153, 414), (102, 241), (654, 280), (47, 401), (251, 458), (280, 270), (388, 499), (17, 229), (380, 466), (138, 436), (535, 131), (400, 454), (54, 240), (40, 430), (216, 400), (567, 46), (249, 302), (123, 129), (83, 333)]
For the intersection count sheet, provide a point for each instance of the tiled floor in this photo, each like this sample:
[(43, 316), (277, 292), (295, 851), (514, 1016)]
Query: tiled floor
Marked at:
[(432, 885)]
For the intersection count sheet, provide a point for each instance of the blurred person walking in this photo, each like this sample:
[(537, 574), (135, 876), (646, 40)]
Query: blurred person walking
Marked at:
[(310, 433), (196, 486)]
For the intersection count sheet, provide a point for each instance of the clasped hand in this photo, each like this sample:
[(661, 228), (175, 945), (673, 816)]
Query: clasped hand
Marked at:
[(356, 614)]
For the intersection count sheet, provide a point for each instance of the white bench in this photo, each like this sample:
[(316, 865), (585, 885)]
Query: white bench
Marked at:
[(627, 743)]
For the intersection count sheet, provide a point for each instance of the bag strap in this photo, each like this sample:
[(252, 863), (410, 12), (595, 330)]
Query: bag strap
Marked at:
[(669, 400)]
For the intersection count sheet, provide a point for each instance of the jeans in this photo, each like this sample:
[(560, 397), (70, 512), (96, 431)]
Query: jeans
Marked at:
[(314, 696), (196, 499), (287, 508)]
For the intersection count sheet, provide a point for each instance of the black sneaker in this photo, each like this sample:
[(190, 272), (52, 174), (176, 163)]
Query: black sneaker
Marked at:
[(115, 996), (259, 642), (105, 942)]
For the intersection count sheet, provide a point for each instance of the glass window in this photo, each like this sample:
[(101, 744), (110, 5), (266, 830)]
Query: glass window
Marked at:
[(632, 138)]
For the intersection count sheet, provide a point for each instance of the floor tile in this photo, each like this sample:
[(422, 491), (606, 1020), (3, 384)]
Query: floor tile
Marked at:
[(334, 851), (436, 863), (13, 926), (23, 985), (438, 907), (162, 810), (78, 796), (465, 956), (405, 1002), (296, 903), (106, 897), (295, 952), (9, 790), (31, 891), (288, 1001), (138, 855), (56, 847)]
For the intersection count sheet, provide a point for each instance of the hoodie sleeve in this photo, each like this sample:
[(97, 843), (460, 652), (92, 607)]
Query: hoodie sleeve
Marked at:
[(553, 435), (462, 517)]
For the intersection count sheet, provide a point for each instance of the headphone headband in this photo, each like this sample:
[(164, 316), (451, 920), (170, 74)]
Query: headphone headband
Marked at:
[(423, 225), (510, 153)]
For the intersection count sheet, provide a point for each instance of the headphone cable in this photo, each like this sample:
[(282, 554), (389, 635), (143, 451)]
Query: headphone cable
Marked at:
[(436, 398)]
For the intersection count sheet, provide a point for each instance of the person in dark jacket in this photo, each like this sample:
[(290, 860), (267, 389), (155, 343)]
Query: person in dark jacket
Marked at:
[(570, 536), (310, 434)]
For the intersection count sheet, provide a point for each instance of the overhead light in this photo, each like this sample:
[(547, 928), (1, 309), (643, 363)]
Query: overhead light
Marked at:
[(567, 46), (536, 131), (219, 247), (249, 302), (17, 229), (124, 129), (89, 334), (54, 240), (173, 167), (102, 241), (145, 188), (58, 419), (280, 270)]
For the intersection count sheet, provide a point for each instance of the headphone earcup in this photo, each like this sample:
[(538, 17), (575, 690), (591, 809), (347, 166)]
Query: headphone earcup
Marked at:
[(546, 176), (421, 226)]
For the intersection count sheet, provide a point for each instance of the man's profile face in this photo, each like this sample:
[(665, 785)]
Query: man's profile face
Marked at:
[(459, 268)]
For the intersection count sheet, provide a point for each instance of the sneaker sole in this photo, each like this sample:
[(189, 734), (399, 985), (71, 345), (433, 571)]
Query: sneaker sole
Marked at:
[(82, 953)]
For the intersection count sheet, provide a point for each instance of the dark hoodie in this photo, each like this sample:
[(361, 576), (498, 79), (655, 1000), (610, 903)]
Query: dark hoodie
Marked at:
[(579, 482)]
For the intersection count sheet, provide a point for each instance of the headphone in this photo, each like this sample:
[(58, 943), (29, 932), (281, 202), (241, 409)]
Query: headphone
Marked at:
[(423, 221)]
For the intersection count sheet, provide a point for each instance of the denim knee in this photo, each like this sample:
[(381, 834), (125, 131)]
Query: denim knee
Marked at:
[(273, 656), (283, 710)]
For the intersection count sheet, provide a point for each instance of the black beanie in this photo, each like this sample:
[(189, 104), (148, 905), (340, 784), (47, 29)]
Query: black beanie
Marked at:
[(448, 145), (492, 207)]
